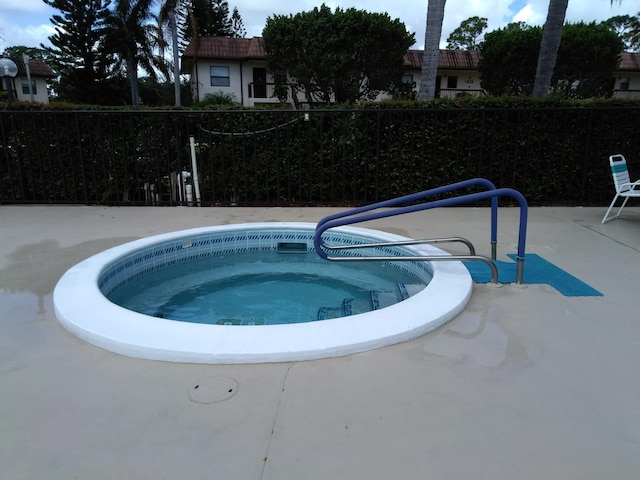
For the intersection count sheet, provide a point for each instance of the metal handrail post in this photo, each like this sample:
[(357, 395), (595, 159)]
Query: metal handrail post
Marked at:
[(494, 228)]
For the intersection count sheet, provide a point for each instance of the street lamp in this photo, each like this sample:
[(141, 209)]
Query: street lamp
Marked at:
[(8, 70)]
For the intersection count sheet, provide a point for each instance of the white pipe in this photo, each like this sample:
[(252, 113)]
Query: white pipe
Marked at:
[(28, 68), (183, 184), (188, 194), (194, 168)]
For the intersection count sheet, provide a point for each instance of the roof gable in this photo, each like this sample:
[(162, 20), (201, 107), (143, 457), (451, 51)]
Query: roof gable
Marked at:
[(629, 61), (225, 48), (37, 67), (447, 60)]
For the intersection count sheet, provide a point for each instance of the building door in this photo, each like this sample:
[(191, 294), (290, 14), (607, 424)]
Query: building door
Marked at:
[(260, 82)]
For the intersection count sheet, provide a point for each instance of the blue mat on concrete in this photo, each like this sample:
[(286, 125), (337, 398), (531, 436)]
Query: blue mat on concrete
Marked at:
[(536, 270)]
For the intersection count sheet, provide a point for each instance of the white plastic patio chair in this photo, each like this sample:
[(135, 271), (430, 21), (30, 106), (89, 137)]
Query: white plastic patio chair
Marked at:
[(624, 187)]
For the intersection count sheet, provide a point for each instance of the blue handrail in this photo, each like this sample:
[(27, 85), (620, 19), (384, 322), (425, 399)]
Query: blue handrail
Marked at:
[(421, 196), (493, 194)]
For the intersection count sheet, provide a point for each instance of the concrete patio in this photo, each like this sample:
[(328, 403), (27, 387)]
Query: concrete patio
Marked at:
[(524, 384)]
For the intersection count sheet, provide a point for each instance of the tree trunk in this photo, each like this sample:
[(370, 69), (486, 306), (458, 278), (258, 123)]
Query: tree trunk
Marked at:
[(176, 56), (435, 16), (133, 79), (551, 36)]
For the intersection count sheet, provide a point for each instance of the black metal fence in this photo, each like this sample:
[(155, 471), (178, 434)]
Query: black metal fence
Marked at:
[(317, 157)]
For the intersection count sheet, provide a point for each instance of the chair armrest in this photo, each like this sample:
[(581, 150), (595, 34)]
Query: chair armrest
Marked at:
[(632, 186)]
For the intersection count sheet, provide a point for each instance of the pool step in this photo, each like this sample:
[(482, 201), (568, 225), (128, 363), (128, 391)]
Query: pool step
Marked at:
[(360, 306), (378, 299), (240, 321), (325, 313), (410, 289), (349, 306), (344, 310), (382, 299)]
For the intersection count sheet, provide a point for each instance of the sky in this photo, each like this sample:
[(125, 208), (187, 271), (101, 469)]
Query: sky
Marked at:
[(27, 22)]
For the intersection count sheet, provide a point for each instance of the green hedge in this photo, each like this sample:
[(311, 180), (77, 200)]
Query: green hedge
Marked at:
[(553, 151)]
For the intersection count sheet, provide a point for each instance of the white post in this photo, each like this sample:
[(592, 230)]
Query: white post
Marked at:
[(183, 185), (26, 64), (194, 169)]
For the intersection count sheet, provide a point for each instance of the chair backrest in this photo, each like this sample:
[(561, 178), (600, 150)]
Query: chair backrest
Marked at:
[(619, 172)]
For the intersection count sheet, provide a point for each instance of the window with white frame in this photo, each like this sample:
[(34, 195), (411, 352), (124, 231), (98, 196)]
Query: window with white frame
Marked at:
[(220, 76), (407, 78), (25, 87), (624, 83)]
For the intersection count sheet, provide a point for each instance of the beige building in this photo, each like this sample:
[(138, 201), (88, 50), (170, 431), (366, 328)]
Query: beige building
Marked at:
[(39, 71), (457, 72), (627, 81), (237, 66)]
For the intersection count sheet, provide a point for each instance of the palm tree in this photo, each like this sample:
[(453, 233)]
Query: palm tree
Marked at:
[(132, 35), (551, 36), (168, 15), (435, 16)]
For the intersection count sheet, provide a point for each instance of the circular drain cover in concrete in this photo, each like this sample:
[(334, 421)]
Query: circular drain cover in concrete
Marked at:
[(213, 389)]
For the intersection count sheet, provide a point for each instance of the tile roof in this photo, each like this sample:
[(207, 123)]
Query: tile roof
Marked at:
[(459, 59), (448, 59), (413, 59), (37, 68), (253, 49), (629, 61), (224, 47)]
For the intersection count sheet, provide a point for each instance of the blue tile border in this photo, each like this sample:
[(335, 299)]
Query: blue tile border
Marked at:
[(143, 261), (537, 270)]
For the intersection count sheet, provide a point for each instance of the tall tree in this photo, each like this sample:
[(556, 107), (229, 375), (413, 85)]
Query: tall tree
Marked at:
[(168, 15), (632, 36), (340, 56), (508, 58), (237, 25), (433, 32), (21, 50), (551, 36), (75, 53), (209, 18), (587, 59), (132, 35), (549, 44), (467, 35), (627, 28)]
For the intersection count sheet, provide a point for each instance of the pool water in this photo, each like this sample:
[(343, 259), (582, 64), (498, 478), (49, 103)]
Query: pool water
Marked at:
[(265, 288)]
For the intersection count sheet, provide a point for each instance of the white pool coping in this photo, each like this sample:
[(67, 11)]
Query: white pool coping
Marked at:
[(82, 309)]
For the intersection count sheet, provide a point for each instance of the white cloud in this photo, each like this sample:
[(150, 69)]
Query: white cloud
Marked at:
[(29, 35), (24, 6), (535, 11), (26, 22), (497, 13), (530, 16)]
